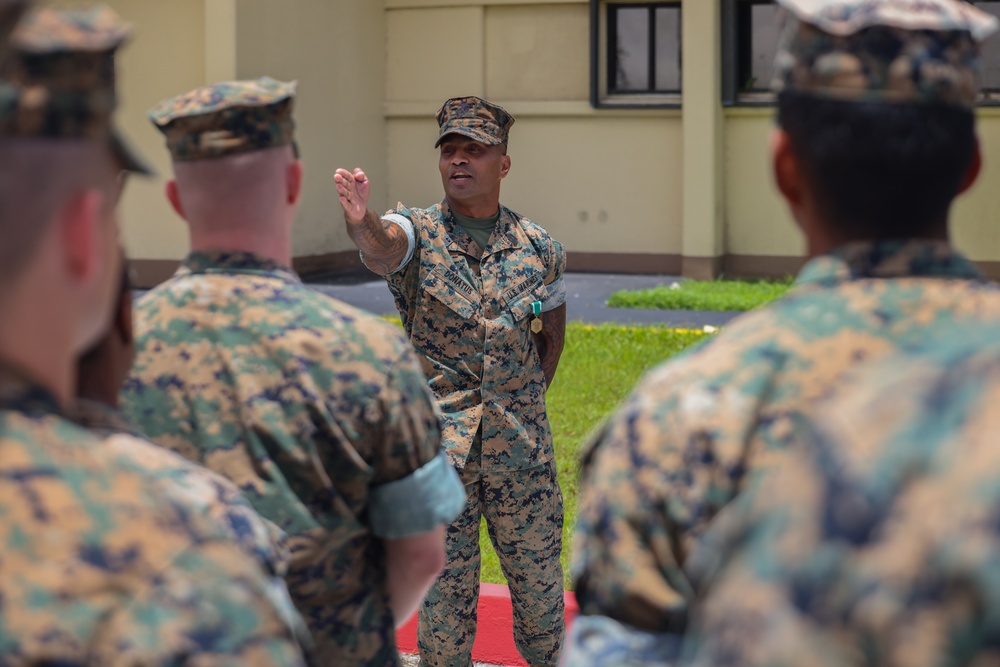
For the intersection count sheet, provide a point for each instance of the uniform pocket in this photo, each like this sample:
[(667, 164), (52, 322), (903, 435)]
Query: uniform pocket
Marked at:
[(518, 299), (452, 291)]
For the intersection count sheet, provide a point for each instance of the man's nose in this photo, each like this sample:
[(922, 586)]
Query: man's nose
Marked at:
[(459, 158)]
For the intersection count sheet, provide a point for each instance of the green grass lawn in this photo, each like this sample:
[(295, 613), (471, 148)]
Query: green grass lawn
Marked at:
[(599, 366), (703, 295)]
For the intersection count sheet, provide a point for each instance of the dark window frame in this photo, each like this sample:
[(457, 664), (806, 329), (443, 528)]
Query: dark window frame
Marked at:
[(988, 97), (737, 52), (603, 95)]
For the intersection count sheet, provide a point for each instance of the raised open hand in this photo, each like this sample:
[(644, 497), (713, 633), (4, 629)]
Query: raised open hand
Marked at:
[(354, 190)]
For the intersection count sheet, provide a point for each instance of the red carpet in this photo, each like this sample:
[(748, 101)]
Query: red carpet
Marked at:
[(495, 633)]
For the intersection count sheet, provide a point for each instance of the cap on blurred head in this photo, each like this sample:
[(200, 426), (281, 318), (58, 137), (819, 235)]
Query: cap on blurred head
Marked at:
[(59, 78), (903, 51)]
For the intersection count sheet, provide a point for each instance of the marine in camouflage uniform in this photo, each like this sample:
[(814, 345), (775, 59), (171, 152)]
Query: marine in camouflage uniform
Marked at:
[(697, 430), (100, 374), (876, 541), (316, 410), (468, 306), (99, 568)]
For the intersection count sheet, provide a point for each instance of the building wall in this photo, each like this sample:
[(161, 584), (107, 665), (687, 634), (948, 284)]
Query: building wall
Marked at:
[(976, 217), (655, 190), (166, 56), (602, 181), (759, 231), (336, 52)]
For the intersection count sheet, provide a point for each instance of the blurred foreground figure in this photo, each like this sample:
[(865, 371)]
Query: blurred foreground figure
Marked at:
[(877, 540), (875, 139), (101, 372), (99, 567), (316, 410)]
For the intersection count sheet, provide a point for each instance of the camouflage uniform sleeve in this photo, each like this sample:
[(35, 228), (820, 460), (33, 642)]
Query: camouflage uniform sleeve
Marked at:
[(210, 607), (554, 255), (647, 488), (415, 487)]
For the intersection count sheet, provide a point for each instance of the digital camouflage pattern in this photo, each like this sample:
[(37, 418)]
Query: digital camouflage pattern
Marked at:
[(475, 118), (61, 78), (466, 310), (524, 516), (96, 29), (101, 569), (456, 301), (227, 119), (192, 485), (697, 429), (307, 405), (890, 50), (876, 541)]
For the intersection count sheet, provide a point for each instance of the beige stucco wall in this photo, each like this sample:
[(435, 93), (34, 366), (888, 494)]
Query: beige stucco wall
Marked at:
[(574, 175), (335, 51), (756, 219), (976, 217), (166, 56), (537, 52), (602, 181), (758, 222)]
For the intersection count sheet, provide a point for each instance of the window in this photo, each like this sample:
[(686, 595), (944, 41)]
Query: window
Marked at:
[(990, 53), (750, 39), (635, 53)]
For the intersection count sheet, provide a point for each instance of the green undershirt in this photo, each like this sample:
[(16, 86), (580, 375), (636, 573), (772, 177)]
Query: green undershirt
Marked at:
[(480, 229)]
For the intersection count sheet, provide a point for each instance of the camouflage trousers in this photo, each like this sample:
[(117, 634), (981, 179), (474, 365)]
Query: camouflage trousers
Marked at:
[(524, 516)]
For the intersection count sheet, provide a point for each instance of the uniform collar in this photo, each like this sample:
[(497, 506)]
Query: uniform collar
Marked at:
[(20, 394), (889, 259), (231, 261), (504, 236), (100, 417)]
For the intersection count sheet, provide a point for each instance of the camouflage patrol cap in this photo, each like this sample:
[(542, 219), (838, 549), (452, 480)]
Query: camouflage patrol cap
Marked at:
[(227, 118), (475, 118), (10, 14), (906, 51), (59, 79)]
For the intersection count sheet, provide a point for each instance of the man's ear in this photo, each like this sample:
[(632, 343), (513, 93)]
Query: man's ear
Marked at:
[(504, 166), (79, 223), (293, 177), (174, 197), (787, 168), (972, 173)]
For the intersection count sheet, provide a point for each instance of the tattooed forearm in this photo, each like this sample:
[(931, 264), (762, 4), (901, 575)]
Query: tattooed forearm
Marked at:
[(550, 342), (383, 243)]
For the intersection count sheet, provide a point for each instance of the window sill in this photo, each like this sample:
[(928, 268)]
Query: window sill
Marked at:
[(536, 109), (639, 101)]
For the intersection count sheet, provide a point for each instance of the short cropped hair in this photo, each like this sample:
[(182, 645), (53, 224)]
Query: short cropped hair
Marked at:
[(880, 170)]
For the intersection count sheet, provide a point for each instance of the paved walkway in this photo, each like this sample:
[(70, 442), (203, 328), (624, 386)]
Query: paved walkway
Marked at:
[(587, 295)]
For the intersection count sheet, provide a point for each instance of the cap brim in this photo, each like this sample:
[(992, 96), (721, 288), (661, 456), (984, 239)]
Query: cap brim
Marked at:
[(471, 133), (131, 161)]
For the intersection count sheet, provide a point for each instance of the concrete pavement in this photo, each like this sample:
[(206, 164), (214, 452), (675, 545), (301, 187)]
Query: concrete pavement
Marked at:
[(587, 295)]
